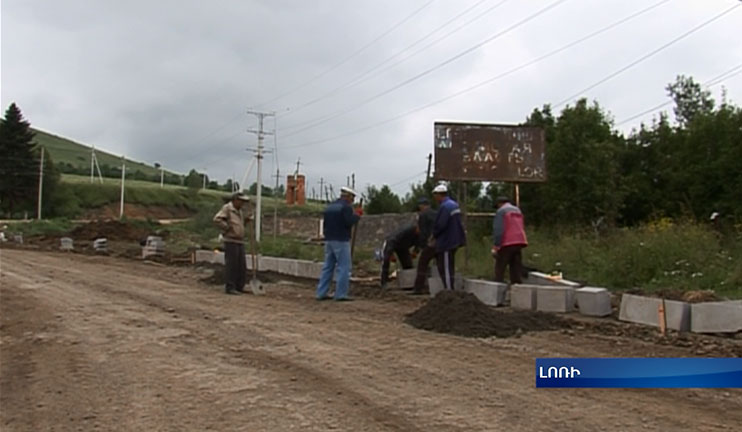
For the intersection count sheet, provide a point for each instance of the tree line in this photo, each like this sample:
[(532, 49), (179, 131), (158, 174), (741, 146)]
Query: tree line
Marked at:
[(685, 168)]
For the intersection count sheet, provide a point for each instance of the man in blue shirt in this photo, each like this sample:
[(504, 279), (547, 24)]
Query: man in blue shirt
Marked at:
[(449, 235), (339, 219)]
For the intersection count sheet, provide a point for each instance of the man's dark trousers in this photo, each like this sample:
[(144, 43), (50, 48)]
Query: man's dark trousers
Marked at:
[(509, 256), (427, 254), (235, 267), (446, 267), (403, 255)]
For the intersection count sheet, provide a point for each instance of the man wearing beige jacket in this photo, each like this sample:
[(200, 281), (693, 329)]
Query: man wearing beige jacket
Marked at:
[(231, 220)]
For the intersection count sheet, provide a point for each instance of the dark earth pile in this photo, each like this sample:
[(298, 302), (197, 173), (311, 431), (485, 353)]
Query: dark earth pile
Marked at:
[(111, 230), (463, 314)]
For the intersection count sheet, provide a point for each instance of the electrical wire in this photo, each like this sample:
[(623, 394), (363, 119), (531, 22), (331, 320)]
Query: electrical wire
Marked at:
[(350, 57), (428, 71), (711, 83), (646, 56), (365, 76), (487, 81)]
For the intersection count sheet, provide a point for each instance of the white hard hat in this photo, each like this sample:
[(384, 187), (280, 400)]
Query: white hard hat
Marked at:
[(347, 190), (441, 188), (714, 215)]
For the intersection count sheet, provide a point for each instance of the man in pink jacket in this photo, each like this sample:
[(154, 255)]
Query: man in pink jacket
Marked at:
[(508, 238)]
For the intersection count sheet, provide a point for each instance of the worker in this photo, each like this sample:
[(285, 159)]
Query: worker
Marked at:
[(426, 245), (339, 218), (231, 221), (398, 243), (449, 235), (508, 238)]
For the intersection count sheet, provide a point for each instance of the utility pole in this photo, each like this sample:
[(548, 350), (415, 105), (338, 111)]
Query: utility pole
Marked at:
[(321, 187), (41, 183), (430, 160), (162, 177), (123, 179), (259, 155), (94, 166), (92, 162), (296, 181), (313, 192), (275, 204), (204, 176), (353, 177)]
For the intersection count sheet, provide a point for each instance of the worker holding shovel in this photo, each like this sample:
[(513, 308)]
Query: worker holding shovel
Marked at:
[(339, 219), (231, 220)]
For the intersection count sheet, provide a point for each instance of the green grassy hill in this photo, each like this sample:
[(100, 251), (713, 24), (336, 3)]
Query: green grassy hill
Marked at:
[(66, 151)]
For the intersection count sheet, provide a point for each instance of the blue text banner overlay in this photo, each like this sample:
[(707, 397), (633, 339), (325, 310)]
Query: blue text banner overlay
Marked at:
[(639, 372)]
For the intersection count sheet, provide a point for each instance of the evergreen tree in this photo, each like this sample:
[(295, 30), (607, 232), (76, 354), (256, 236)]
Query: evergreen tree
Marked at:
[(19, 164), (382, 201)]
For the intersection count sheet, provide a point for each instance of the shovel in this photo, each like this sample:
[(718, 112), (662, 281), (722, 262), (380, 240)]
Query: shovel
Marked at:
[(255, 286)]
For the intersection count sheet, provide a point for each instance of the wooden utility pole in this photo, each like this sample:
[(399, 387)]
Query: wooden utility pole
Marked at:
[(41, 184), (430, 161)]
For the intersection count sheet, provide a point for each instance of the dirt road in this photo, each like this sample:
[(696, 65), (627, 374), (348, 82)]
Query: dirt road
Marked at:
[(96, 343)]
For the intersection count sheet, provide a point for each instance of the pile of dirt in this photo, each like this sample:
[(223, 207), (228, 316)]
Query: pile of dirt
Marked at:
[(112, 230), (463, 314)]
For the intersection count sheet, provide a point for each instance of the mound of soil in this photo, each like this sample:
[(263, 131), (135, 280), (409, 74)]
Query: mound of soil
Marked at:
[(112, 230), (463, 314)]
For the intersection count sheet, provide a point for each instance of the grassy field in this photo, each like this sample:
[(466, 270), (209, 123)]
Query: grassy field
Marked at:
[(657, 256), (65, 150)]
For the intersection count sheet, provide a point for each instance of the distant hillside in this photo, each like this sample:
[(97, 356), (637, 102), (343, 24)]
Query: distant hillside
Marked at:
[(74, 157)]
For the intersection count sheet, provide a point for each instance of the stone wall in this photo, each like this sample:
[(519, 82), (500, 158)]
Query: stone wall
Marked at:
[(372, 229)]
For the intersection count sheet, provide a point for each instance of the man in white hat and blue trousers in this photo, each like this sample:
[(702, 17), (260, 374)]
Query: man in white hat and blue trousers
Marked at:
[(339, 219)]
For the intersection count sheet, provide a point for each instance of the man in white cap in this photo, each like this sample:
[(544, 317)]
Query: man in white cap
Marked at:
[(448, 232), (339, 219), (231, 220)]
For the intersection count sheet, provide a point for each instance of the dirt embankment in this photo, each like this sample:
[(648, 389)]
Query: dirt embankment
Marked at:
[(138, 211)]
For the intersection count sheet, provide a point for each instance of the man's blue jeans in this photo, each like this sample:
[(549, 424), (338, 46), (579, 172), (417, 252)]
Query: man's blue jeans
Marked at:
[(337, 253)]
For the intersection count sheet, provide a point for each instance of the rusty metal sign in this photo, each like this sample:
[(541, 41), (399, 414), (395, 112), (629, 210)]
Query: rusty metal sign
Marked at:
[(489, 152)]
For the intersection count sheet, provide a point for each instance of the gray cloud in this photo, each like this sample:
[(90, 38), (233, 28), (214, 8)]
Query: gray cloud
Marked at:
[(160, 80)]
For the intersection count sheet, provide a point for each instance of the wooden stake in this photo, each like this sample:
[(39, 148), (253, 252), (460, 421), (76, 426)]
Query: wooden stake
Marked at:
[(517, 195), (662, 318)]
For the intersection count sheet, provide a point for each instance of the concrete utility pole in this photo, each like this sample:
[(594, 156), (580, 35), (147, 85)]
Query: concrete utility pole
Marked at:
[(204, 176), (41, 183), (259, 155), (162, 177), (353, 181), (123, 179), (296, 181), (321, 187), (275, 204)]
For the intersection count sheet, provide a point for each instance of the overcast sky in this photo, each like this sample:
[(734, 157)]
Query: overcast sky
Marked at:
[(171, 81)]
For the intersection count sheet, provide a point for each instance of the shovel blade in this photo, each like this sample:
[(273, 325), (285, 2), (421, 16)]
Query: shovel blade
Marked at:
[(256, 287)]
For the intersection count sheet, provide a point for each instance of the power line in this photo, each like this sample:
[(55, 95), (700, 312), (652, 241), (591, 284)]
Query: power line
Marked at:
[(710, 83), (430, 70), (350, 57), (489, 80), (365, 76), (647, 56)]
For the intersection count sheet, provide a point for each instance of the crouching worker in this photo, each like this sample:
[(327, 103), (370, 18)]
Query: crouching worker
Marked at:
[(508, 237), (398, 243), (231, 220)]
